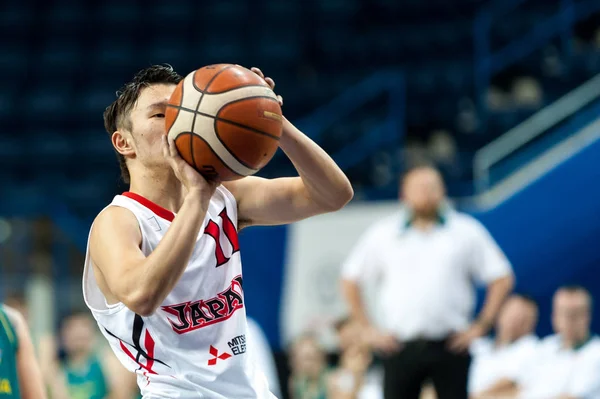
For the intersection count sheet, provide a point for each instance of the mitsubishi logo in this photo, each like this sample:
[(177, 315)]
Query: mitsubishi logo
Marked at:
[(215, 353)]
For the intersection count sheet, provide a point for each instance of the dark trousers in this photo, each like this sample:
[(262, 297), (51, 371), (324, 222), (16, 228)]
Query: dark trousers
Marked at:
[(420, 361)]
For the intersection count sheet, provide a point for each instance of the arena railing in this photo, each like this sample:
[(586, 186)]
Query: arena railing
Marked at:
[(530, 129), (489, 62)]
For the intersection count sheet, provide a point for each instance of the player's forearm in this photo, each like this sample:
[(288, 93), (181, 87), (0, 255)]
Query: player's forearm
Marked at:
[(324, 181), (152, 281), (497, 292), (351, 292)]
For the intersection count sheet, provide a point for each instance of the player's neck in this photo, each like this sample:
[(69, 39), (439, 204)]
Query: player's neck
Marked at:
[(164, 190)]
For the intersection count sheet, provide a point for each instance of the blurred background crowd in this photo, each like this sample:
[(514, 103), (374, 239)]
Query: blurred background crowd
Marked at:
[(501, 96)]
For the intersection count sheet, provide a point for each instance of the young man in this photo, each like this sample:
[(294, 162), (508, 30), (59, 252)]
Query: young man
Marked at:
[(20, 375), (565, 365), (163, 273), (83, 372), (498, 361)]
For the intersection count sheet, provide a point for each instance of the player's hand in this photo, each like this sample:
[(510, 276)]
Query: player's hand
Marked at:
[(188, 176), (460, 342), (269, 81)]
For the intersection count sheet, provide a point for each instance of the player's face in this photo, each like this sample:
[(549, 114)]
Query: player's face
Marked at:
[(423, 191), (571, 315), (148, 123), (517, 318), (78, 335)]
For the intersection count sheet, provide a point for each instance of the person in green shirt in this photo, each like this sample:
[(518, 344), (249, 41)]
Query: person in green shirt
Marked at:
[(20, 375), (78, 370)]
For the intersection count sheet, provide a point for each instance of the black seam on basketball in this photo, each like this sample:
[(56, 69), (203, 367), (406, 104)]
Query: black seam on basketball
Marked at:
[(210, 81), (227, 148), (253, 130), (217, 155), (199, 101), (178, 108), (241, 124), (227, 120)]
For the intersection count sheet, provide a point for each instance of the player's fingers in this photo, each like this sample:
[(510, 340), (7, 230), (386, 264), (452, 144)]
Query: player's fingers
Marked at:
[(257, 71), (165, 146), (280, 100), (270, 82), (173, 149)]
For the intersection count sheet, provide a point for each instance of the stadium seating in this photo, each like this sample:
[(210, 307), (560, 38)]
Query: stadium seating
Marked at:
[(314, 50)]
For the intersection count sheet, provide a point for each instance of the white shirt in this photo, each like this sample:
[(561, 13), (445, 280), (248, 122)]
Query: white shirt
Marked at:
[(555, 371), (491, 364), (194, 345), (426, 277)]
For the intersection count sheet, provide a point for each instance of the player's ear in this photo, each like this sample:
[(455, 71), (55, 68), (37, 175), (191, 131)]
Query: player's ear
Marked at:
[(123, 143)]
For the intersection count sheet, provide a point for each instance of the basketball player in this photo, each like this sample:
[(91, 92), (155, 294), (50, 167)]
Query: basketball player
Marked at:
[(20, 375), (163, 274)]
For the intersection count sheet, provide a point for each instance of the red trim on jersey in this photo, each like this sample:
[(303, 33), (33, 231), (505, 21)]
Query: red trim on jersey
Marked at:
[(155, 208), (128, 353), (149, 342)]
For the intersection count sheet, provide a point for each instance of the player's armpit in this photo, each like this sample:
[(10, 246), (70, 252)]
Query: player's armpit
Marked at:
[(115, 250), (124, 273), (31, 382), (268, 202)]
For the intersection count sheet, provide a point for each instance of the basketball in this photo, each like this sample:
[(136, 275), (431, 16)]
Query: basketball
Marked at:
[(225, 120)]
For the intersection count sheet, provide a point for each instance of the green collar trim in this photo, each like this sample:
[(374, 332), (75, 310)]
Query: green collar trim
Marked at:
[(583, 343), (442, 219)]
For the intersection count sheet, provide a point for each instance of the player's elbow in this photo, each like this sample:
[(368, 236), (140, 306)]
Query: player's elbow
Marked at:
[(346, 194), (338, 198), (142, 302)]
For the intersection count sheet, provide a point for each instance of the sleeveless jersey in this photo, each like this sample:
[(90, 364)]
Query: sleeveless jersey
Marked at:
[(194, 344), (87, 382), (9, 344)]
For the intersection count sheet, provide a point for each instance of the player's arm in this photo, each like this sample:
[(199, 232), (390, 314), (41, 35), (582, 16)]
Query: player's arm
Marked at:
[(140, 282), (321, 186), (31, 383)]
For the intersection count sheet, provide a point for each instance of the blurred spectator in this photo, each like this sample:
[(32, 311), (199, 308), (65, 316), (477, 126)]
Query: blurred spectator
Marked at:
[(425, 260), (466, 118), (497, 362), (354, 378), (81, 373), (308, 379), (261, 351), (527, 92), (442, 150), (348, 380), (566, 365)]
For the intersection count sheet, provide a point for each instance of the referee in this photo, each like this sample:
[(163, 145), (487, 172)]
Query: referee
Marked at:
[(425, 261)]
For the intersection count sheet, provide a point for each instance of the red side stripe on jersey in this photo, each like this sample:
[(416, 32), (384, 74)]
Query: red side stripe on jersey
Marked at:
[(149, 342), (128, 353), (155, 208)]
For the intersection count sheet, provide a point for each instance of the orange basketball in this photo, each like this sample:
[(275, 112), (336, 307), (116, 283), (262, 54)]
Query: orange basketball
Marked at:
[(225, 120)]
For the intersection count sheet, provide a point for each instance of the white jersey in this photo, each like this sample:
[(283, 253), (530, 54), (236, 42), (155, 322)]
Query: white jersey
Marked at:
[(194, 345)]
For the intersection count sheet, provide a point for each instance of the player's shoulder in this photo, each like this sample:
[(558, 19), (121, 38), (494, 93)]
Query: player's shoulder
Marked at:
[(113, 220), (15, 317)]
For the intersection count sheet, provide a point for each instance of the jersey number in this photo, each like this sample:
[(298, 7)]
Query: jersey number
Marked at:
[(212, 229)]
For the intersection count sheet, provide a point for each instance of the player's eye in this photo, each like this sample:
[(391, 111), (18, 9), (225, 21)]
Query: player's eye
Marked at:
[(158, 115)]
